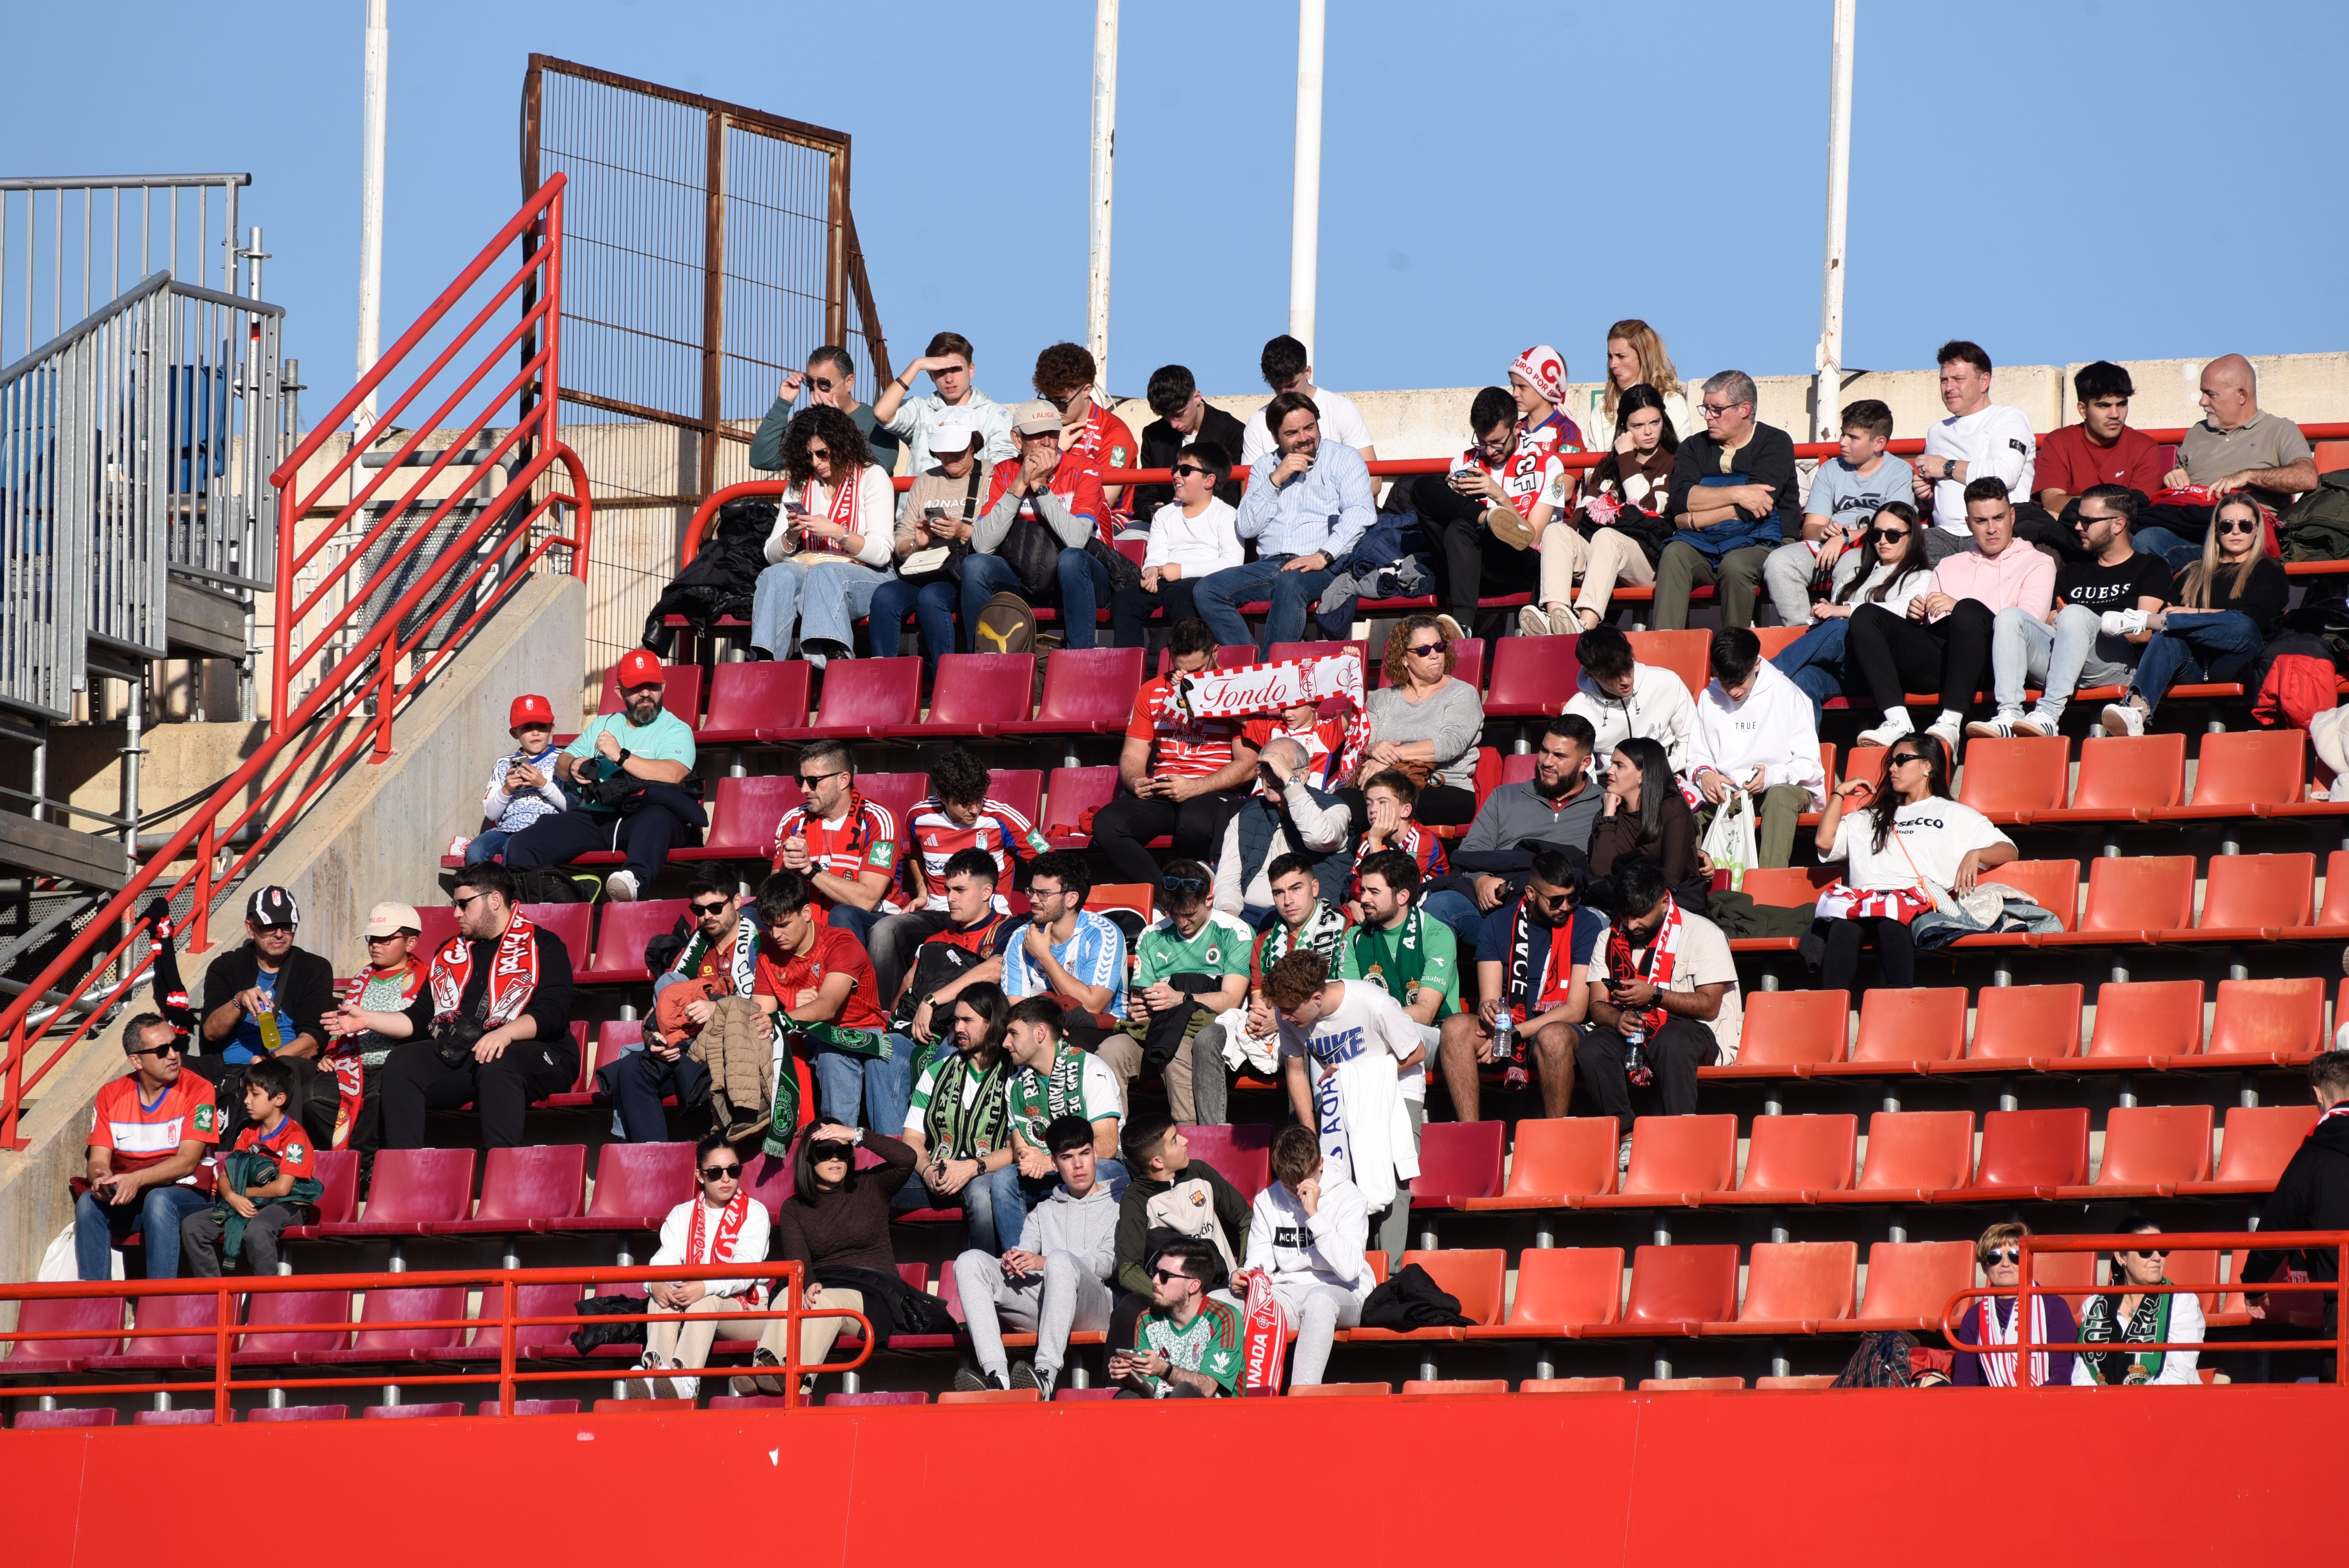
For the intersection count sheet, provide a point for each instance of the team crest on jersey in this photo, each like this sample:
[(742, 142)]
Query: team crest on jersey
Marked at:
[(878, 855), (1199, 1200), (1117, 456), (1214, 953), (294, 1151), (204, 1114)]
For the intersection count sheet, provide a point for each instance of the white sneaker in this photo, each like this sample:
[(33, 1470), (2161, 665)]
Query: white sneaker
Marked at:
[(1890, 730), (2002, 727), (1450, 628), (1947, 734), (1623, 1157), (2122, 623), (2124, 719), (1532, 623), (2038, 724), (620, 887), (457, 847)]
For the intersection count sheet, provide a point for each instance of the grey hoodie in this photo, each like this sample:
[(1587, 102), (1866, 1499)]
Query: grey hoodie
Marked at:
[(1086, 1227)]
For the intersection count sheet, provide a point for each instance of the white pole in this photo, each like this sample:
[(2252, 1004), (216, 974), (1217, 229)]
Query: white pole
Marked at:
[(1104, 159), (378, 71), (1827, 398), (1305, 224)]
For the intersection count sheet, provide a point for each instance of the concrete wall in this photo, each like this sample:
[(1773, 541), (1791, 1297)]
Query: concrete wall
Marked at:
[(376, 834)]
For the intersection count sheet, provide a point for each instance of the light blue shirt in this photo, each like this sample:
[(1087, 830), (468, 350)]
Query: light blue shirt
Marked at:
[(1326, 509), (1094, 953)]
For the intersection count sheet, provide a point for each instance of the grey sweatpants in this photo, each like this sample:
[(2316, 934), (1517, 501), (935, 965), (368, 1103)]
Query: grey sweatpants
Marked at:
[(1066, 1299), (1317, 1312)]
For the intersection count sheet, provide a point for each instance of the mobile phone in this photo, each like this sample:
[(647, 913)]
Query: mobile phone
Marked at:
[(934, 508)]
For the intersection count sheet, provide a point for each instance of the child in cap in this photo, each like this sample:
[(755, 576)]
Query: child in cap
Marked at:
[(522, 787), (270, 1180)]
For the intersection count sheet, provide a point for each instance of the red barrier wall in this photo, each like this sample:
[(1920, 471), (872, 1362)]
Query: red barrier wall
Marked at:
[(2151, 1476)]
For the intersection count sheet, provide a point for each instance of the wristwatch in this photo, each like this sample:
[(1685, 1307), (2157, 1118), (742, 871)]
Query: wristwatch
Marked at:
[(625, 755)]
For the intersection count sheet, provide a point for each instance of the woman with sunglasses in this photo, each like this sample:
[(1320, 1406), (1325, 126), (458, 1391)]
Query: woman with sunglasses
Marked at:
[(1644, 814), (1911, 840), (722, 1224), (2228, 605), (1194, 534), (830, 547), (2132, 1315), (1887, 567), (1426, 722), (1989, 1321), (835, 1222)]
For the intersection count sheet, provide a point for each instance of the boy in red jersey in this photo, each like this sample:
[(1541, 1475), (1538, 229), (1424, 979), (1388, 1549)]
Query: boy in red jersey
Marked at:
[(270, 1180)]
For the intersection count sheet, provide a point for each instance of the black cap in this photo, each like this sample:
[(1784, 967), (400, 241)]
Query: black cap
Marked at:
[(273, 906)]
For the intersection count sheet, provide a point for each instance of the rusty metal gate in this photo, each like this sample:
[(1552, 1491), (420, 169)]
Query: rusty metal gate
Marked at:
[(708, 248)]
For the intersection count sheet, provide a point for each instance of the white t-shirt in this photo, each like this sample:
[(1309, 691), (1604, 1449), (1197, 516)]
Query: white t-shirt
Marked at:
[(1936, 834), (1702, 960), (1028, 1097), (1367, 1019), (1199, 545), (1993, 442), (1340, 422)]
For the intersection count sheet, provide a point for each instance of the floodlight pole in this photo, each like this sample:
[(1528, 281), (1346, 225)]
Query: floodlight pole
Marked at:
[(379, 74), (1826, 399), (1104, 161), (1305, 222)]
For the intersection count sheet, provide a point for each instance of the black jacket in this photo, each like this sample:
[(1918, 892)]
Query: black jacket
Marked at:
[(2313, 1194), (306, 989), (1162, 441), (549, 1005)]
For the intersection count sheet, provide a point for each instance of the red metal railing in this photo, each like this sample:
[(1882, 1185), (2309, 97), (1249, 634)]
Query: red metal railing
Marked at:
[(501, 1291), (1396, 469), (369, 671), (2030, 1289)]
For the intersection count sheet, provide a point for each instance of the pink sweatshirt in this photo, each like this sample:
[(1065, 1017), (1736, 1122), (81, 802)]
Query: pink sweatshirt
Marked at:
[(2022, 576)]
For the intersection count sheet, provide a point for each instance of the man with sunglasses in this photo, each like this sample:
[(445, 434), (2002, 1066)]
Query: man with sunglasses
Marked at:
[(1190, 966), (645, 752), (1185, 419), (1535, 954), (720, 958), (1186, 1346), (830, 381), (845, 845), (1192, 538), (719, 1225), (1064, 377), (265, 998), (150, 1132), (1487, 515)]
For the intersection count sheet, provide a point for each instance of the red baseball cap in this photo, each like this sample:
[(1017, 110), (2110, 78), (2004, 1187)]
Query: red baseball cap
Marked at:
[(530, 709), (638, 667)]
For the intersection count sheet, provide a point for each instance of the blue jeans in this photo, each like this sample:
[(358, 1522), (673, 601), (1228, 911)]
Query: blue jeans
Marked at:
[(1084, 585), (2208, 646), (2176, 550), (156, 1216), (1292, 595), (487, 846), (824, 602), (1012, 1195), (1814, 662), (842, 1079), (933, 605), (977, 1201), (1459, 913)]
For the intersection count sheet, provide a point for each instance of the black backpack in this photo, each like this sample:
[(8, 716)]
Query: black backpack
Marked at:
[(554, 884)]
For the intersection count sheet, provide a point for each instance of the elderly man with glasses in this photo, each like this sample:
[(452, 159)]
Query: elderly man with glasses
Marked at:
[(1733, 501), (829, 382), (150, 1132)]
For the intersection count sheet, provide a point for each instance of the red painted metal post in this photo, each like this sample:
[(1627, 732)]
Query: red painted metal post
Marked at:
[(224, 1319), (386, 658), (18, 1045), (2023, 1296), (506, 1344), (200, 910)]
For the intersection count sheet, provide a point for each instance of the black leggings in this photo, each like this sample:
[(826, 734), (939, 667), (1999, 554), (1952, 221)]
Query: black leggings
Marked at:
[(1897, 655), (1896, 952)]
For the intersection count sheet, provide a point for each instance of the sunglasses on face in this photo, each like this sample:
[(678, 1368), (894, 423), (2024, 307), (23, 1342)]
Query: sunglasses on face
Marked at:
[(810, 780), (2143, 1252), (2001, 1255), (1181, 885), (2239, 525), (1435, 649), (825, 1152), (721, 1172), (168, 1049), (1163, 1275), (458, 904), (1894, 534), (822, 383), (1906, 757), (1192, 468), (395, 936), (820, 452), (707, 909)]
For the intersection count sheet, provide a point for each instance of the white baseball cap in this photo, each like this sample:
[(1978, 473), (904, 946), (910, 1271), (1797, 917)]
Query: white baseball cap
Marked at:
[(951, 431)]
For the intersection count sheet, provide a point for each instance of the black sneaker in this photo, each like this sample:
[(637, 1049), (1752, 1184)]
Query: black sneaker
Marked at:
[(1023, 1375), (967, 1381)]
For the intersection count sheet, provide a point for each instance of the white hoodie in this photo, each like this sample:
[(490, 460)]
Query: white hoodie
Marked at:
[(1659, 707), (1772, 729), (1301, 1252)]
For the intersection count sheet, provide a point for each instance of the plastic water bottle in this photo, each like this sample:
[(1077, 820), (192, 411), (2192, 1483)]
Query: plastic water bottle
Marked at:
[(1505, 1045)]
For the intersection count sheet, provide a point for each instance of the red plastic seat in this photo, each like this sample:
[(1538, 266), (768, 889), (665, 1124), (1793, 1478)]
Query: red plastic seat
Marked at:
[(2010, 780), (1908, 1284), (621, 939), (1231, 657), (1777, 640), (52, 1421), (1241, 1155), (1555, 1160), (1453, 1388), (680, 692), (1068, 794), (1675, 1291), (861, 699), (1791, 1287), (1783, 887), (418, 1412), (281, 1324), (567, 920), (875, 1396), (976, 693), (636, 1184), (197, 1317), (2131, 898), (1688, 655), (1517, 767), (743, 815), (95, 1319), (2124, 777), (2032, 1153), (1675, 1159), (1573, 1385), (745, 698), (1322, 650), (1692, 1385), (1532, 677), (1087, 691), (2277, 1021), (1794, 1159), (202, 1417), (1133, 902), (2053, 885), (530, 1301), (1021, 788), (896, 793), (1905, 1031), (533, 1408), (413, 1189), (425, 1303), (539, 1182), (2148, 1150), (338, 1174), (1786, 1032), (2020, 1026), (1475, 1276), (2252, 898), (1457, 1160), (1911, 1155), (2259, 1142), (2142, 1025), (2235, 773), (437, 924), (1299, 1391), (612, 1037), (2332, 919), (298, 1413), (1560, 1291)]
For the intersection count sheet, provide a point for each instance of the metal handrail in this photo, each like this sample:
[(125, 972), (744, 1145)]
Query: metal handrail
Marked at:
[(367, 673), (500, 1286)]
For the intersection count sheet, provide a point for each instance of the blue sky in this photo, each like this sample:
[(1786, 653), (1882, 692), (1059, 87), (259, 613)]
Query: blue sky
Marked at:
[(2058, 178)]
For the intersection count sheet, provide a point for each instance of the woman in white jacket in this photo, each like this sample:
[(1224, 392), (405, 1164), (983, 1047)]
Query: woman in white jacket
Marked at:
[(1754, 734), (719, 1225), (1622, 697), (2111, 1323), (1307, 1236), (830, 547)]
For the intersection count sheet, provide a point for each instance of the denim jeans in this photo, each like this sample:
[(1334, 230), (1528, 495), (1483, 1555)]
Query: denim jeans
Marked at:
[(825, 602), (156, 1216), (2208, 646), (2024, 648), (1814, 662), (843, 1078), (977, 1201), (1083, 585), (2177, 552), (1458, 913), (487, 846), (1291, 595), (933, 605), (1014, 1194)]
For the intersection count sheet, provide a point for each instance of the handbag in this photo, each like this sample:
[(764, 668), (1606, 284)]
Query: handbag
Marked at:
[(1982, 907), (1730, 840), (1030, 549), (943, 562)]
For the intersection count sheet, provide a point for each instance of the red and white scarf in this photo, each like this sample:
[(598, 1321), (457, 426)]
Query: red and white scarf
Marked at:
[(1839, 900), (1552, 988), (842, 514), (1276, 688), (514, 973), (1997, 1371), (1663, 959)]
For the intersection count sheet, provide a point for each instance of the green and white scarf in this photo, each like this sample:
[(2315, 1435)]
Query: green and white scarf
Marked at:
[(961, 1125), (2148, 1325), (1395, 958)]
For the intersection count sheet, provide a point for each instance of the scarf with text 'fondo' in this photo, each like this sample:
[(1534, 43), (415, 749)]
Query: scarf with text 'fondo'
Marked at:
[(514, 975), (1275, 688)]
